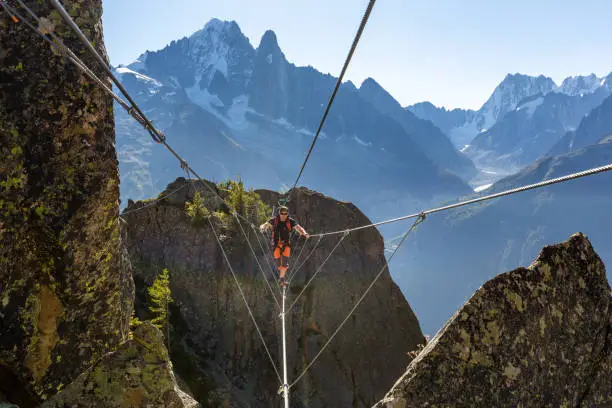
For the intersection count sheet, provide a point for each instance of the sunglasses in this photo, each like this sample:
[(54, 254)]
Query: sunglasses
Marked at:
[(284, 213)]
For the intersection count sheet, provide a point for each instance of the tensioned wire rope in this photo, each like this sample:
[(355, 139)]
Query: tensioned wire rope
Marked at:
[(297, 260), (382, 269), (317, 272), (245, 301), (256, 259), (184, 164), (296, 270), (57, 44), (240, 290), (155, 201), (267, 254), (362, 25), (133, 110), (235, 214), (572, 176)]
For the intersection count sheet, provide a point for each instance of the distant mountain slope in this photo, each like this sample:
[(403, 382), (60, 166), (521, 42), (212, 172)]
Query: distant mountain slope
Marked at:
[(462, 126), (431, 139), (532, 129), (234, 110)]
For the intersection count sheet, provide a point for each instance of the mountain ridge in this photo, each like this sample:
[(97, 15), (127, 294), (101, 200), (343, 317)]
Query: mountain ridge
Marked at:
[(251, 101), (462, 125)]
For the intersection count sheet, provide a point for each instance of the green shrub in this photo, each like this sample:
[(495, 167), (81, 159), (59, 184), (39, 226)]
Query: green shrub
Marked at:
[(196, 210), (245, 202), (159, 299)]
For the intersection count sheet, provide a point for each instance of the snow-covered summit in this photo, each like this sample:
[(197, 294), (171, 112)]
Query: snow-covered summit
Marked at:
[(513, 89), (577, 85), (463, 126), (214, 47)]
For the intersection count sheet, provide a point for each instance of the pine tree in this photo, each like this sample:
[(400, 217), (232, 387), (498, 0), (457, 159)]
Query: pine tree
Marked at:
[(159, 299), (196, 210)]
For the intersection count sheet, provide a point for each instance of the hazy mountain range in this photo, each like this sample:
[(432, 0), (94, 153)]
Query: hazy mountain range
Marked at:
[(232, 109)]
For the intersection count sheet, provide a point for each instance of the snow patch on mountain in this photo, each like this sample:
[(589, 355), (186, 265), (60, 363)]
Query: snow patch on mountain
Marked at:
[(531, 106), (139, 63), (125, 70), (202, 97), (237, 112)]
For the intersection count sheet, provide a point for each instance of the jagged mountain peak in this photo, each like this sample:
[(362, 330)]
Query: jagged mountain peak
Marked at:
[(217, 36), (216, 39), (269, 49), (425, 105), (425, 134), (369, 82), (218, 26), (269, 43), (582, 84), (375, 91), (517, 76), (349, 86), (520, 81), (521, 85), (249, 90), (513, 89)]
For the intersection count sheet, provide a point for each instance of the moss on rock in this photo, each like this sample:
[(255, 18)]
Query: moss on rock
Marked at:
[(138, 374), (67, 290), (531, 337)]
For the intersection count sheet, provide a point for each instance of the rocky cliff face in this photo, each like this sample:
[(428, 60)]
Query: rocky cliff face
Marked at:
[(65, 281), (538, 336), (66, 284), (216, 348), (138, 374)]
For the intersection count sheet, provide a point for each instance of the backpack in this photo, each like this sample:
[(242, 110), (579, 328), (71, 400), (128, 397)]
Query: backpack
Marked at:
[(288, 224)]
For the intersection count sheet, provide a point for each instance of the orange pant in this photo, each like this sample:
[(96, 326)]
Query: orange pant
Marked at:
[(282, 253)]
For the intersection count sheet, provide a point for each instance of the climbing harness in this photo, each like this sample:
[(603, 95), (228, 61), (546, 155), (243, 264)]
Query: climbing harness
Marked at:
[(275, 238)]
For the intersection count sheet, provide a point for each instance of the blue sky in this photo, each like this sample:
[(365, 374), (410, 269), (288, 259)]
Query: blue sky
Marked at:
[(450, 52)]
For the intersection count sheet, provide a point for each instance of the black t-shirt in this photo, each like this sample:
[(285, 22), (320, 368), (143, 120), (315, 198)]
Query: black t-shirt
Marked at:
[(281, 232)]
